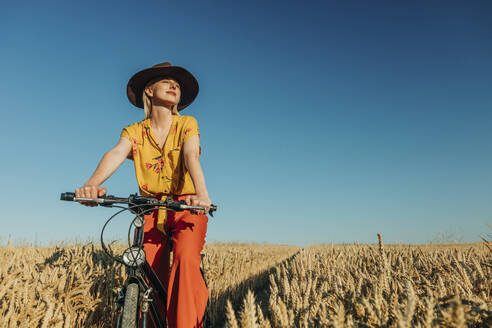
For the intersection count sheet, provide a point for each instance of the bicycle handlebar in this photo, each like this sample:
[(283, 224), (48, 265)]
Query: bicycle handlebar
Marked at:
[(109, 200)]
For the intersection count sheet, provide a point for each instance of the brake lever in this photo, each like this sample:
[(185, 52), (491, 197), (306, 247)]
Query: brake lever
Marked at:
[(174, 205)]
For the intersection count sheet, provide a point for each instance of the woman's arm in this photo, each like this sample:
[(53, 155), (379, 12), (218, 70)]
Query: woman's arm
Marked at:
[(107, 166), (191, 152)]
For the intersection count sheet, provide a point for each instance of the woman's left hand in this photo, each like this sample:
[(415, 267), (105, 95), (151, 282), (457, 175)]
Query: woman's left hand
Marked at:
[(199, 200)]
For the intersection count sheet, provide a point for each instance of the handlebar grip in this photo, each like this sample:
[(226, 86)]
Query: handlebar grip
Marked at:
[(213, 207), (69, 196)]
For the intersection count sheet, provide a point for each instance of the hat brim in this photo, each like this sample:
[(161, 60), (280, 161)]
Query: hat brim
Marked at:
[(187, 82)]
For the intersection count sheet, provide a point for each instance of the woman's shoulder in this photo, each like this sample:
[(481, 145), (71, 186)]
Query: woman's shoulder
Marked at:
[(187, 119), (134, 128), (135, 125)]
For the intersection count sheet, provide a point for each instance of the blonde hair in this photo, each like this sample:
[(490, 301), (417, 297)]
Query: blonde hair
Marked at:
[(148, 103)]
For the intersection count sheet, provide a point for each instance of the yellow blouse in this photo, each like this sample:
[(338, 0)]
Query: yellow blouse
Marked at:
[(161, 171)]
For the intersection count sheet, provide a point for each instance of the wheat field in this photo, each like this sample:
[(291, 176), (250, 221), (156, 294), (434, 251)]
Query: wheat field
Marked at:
[(266, 286)]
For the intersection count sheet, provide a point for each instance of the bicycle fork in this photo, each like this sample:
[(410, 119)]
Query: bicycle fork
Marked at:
[(145, 306)]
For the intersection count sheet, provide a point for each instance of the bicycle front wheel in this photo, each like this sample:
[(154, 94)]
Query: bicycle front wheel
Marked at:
[(130, 307)]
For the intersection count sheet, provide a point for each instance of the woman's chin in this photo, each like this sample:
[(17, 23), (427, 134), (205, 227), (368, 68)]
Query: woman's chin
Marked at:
[(165, 103)]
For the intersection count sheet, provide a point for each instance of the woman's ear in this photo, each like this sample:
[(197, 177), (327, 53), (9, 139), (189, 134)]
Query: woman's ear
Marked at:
[(149, 91)]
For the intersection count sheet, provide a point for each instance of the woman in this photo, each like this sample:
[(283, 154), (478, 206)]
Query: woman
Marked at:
[(165, 148)]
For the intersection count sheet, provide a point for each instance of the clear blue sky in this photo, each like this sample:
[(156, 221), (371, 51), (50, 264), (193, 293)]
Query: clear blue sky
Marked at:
[(320, 121)]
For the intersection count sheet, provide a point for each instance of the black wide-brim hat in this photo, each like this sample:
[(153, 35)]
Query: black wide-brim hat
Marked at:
[(187, 82)]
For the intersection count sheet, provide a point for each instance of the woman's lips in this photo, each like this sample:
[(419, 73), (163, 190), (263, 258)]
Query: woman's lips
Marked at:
[(171, 93)]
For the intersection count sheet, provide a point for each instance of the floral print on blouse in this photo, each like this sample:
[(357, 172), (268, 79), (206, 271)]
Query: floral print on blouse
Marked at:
[(161, 171)]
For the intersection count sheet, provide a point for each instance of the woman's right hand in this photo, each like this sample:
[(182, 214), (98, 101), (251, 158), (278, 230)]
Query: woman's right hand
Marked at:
[(90, 191)]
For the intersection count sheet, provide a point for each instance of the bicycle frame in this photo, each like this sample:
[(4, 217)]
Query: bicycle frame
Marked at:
[(149, 283)]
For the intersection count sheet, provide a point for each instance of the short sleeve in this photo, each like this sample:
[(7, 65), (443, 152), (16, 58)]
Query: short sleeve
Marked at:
[(190, 128), (125, 133)]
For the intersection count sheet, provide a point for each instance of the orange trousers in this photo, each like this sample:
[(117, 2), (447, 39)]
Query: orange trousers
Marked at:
[(187, 294)]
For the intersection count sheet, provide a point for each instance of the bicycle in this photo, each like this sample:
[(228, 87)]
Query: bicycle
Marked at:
[(135, 298)]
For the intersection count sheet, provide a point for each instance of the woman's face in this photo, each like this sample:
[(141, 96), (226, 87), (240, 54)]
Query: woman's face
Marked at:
[(165, 92)]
